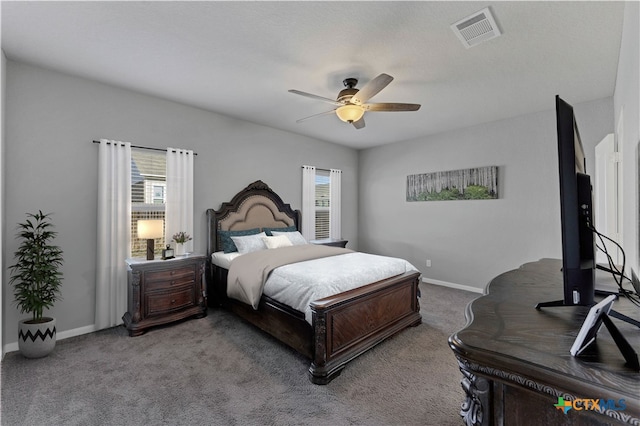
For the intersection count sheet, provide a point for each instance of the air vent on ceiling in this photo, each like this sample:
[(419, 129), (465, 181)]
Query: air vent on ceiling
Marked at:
[(476, 28)]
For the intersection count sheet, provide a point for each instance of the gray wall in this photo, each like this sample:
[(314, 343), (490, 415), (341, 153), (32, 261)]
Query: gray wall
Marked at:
[(470, 242), (51, 165)]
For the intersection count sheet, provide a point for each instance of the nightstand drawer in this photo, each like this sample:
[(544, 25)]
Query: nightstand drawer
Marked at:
[(164, 302), (170, 283), (168, 275)]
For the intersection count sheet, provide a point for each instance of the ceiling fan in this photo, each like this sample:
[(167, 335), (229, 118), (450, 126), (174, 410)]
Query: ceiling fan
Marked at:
[(351, 102)]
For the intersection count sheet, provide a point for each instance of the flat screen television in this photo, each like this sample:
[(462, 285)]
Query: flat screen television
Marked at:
[(576, 213)]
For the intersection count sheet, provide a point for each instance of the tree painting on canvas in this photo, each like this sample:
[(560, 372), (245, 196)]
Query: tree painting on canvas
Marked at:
[(480, 183)]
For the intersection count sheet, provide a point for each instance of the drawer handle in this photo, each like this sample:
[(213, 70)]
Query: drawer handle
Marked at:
[(173, 282), (173, 300), (173, 272)]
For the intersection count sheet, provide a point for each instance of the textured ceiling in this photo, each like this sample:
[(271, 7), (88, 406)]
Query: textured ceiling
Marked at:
[(240, 58)]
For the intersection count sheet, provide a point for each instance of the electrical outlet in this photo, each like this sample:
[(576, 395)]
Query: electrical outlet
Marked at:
[(428, 263)]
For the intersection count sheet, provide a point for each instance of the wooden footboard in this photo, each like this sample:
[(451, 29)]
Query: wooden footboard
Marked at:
[(350, 323), (344, 326)]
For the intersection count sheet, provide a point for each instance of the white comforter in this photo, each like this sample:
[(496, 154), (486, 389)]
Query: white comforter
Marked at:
[(298, 284)]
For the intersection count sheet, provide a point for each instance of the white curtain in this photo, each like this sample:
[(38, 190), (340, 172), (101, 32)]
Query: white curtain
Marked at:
[(179, 202), (114, 225), (335, 195), (309, 202)]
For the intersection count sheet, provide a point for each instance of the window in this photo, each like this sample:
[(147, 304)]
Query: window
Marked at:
[(148, 194), (322, 203)]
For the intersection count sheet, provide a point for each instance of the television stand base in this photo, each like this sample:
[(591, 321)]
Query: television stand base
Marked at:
[(605, 293), (550, 304)]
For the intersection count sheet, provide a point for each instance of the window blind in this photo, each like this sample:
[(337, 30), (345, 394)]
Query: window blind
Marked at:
[(148, 194), (322, 203)]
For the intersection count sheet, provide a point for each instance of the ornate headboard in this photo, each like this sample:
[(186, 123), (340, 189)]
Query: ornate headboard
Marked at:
[(256, 206)]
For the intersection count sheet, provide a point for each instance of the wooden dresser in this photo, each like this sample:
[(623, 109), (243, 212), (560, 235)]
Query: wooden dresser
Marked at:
[(515, 360), (163, 291)]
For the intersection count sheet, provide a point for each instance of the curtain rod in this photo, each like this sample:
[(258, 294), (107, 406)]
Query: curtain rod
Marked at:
[(145, 147), (319, 168)]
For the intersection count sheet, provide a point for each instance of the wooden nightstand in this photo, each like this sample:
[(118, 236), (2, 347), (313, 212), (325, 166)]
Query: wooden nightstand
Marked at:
[(330, 242), (163, 291)]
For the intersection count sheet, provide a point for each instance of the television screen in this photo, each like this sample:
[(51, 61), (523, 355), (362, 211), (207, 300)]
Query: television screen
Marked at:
[(576, 213)]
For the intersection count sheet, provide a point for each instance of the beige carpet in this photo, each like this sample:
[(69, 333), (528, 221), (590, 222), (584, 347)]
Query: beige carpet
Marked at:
[(221, 371)]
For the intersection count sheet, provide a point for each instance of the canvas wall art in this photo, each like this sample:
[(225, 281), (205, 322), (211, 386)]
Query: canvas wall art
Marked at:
[(480, 183)]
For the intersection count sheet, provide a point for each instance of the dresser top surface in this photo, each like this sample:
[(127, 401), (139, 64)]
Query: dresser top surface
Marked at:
[(506, 332)]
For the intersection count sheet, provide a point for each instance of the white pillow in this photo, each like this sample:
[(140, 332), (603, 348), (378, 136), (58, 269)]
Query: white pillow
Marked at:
[(277, 241), (250, 243), (295, 237)]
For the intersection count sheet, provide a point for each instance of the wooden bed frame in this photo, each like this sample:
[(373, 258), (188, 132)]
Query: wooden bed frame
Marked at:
[(344, 325)]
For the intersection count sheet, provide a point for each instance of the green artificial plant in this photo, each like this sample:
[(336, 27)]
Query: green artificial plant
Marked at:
[(36, 275)]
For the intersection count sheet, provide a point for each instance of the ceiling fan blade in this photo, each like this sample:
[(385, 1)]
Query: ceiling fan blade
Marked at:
[(320, 98), (316, 115), (359, 124), (371, 89), (391, 107)]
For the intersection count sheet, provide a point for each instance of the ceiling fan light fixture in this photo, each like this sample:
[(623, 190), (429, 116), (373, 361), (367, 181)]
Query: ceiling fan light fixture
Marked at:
[(352, 103), (350, 113)]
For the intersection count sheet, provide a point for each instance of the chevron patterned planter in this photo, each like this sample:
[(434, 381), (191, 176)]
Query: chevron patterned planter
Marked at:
[(37, 340)]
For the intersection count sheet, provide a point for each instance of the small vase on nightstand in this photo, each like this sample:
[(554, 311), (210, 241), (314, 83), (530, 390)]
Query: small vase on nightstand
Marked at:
[(180, 238)]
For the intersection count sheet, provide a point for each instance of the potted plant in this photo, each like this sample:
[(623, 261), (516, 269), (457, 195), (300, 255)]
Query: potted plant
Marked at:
[(181, 238), (36, 280)]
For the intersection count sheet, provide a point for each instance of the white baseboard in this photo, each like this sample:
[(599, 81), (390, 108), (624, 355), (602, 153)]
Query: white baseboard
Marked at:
[(12, 347), (452, 285)]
